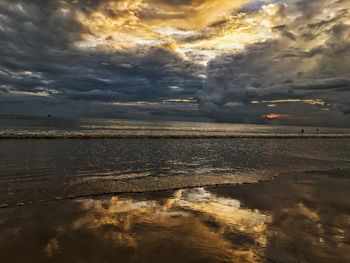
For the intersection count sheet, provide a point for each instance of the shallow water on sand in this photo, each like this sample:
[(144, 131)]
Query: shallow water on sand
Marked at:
[(296, 218), (42, 170)]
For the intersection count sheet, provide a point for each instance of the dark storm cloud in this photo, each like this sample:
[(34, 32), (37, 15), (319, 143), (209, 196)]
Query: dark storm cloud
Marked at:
[(49, 58), (36, 25), (286, 67), (38, 54)]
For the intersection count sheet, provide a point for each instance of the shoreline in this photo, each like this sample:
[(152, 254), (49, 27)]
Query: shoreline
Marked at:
[(117, 193), (165, 190)]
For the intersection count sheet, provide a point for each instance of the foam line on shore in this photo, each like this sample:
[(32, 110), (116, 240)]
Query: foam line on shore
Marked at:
[(167, 136), (106, 193)]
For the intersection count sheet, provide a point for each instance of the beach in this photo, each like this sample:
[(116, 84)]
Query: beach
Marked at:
[(222, 194), (174, 131), (298, 217)]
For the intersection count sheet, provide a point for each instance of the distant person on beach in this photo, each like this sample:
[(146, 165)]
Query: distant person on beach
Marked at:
[(302, 131)]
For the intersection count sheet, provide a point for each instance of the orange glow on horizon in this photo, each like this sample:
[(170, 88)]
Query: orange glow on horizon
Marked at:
[(272, 116)]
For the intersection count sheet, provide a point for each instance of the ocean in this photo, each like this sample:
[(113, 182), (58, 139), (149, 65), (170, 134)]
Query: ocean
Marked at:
[(44, 159), (90, 190)]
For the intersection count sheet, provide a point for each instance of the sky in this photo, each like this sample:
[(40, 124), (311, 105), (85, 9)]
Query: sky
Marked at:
[(243, 61)]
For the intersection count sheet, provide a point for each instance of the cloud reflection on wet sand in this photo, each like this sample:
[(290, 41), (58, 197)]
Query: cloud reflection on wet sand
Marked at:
[(310, 215), (295, 218), (191, 220), (188, 226)]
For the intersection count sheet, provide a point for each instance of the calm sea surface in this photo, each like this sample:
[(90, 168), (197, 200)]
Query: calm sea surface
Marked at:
[(33, 170)]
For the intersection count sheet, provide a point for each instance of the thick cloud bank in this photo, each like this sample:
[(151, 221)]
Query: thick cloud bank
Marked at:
[(251, 61), (302, 73), (42, 68)]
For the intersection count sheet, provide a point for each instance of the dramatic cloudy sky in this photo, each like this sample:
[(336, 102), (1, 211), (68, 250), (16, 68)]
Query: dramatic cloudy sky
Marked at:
[(249, 61)]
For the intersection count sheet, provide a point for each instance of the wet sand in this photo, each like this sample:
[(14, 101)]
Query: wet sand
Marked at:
[(299, 217)]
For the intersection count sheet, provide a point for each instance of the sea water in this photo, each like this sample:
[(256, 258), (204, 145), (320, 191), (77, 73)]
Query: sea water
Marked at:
[(113, 156)]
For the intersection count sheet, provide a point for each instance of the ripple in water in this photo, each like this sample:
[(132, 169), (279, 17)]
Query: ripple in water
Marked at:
[(41, 170)]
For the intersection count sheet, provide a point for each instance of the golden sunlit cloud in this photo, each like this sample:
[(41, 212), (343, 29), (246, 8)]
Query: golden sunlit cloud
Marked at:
[(273, 103), (197, 30), (190, 100), (238, 59)]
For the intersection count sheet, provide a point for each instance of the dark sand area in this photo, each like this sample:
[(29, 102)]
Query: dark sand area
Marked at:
[(299, 217)]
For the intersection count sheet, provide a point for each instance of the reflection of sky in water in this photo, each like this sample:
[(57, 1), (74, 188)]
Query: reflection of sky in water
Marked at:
[(203, 221), (296, 218), (191, 225)]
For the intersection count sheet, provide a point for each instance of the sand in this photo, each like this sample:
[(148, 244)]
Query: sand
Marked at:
[(299, 217)]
